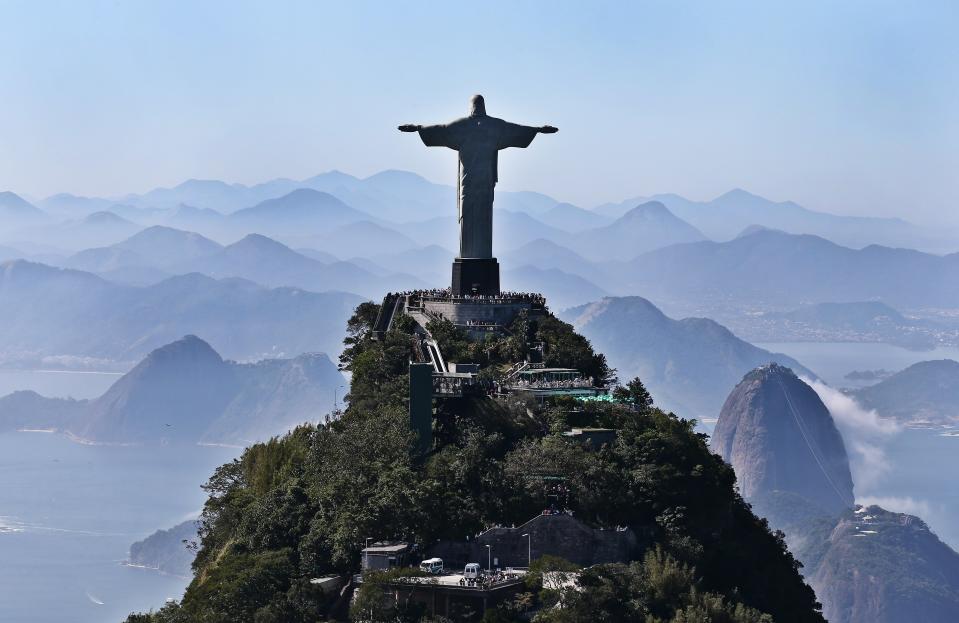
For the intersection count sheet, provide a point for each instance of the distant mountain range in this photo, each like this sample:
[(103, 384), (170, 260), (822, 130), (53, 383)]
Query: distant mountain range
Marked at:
[(102, 226), (546, 254), (158, 252), (185, 392), (156, 247), (395, 230), (925, 392), (725, 216), (688, 365), (866, 564), (572, 218), (50, 312), (646, 227), (15, 212), (562, 289), (775, 269), (302, 210), (400, 197), (391, 195), (860, 321)]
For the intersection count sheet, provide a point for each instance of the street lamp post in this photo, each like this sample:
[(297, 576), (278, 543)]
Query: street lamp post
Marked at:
[(489, 559), (529, 550), (335, 390), (366, 555)]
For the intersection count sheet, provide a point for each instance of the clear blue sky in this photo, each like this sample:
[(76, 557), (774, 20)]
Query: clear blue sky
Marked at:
[(849, 107)]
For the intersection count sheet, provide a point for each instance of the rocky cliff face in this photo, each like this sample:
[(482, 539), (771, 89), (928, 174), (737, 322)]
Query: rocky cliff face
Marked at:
[(883, 567), (867, 565), (779, 437)]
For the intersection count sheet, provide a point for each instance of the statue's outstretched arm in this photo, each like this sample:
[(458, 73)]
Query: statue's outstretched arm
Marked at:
[(409, 127), (548, 129)]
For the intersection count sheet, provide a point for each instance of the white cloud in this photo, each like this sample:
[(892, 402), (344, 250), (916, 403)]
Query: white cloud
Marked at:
[(850, 414), (863, 432)]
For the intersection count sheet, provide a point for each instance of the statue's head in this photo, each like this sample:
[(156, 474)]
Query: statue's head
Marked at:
[(477, 106)]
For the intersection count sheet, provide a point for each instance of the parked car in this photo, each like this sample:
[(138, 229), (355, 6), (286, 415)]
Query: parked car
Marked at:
[(432, 565), (471, 571)]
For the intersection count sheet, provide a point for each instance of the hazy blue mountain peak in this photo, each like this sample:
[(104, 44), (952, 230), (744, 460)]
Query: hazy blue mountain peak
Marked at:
[(738, 194), (398, 176), (649, 209), (155, 232), (188, 347), (27, 271), (259, 241), (13, 200), (755, 229), (18, 209), (200, 184), (302, 202), (105, 217)]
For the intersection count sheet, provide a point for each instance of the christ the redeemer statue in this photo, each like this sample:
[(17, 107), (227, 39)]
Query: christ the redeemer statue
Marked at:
[(478, 139)]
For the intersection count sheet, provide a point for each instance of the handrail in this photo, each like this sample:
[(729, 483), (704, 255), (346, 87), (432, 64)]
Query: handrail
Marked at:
[(436, 355), (393, 313), (384, 317), (515, 370)]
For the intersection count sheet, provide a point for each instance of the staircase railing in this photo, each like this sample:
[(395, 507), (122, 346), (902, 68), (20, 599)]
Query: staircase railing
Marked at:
[(384, 317)]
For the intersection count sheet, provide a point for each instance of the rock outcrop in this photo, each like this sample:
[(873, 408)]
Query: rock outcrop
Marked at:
[(779, 437), (883, 567), (867, 565)]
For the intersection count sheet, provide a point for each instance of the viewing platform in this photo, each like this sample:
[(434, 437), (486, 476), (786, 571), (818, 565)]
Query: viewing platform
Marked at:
[(479, 314), (541, 382)]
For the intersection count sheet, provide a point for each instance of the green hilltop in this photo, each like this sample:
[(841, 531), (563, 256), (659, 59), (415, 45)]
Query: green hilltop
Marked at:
[(302, 506)]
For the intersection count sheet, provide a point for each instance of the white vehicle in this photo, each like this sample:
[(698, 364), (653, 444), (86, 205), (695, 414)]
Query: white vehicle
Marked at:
[(432, 565), (471, 571)]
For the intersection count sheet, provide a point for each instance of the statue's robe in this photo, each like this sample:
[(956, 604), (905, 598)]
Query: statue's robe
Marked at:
[(478, 139)]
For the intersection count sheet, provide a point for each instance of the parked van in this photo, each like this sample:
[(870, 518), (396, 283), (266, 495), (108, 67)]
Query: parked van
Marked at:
[(471, 571), (432, 565)]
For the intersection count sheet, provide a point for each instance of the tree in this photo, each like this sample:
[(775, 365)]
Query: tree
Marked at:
[(634, 393)]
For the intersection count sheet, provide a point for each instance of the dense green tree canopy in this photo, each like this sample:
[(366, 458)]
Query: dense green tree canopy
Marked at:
[(303, 505)]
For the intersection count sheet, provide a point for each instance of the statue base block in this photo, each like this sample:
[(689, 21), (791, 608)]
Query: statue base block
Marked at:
[(475, 276)]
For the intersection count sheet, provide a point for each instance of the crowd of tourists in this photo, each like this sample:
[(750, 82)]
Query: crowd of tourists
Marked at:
[(482, 323), (557, 384), (445, 294), (488, 580)]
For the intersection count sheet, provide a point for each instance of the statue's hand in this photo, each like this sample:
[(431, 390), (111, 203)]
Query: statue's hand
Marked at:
[(409, 127), (548, 129)]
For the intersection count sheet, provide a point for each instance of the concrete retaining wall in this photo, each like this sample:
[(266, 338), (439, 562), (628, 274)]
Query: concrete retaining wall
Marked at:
[(553, 535)]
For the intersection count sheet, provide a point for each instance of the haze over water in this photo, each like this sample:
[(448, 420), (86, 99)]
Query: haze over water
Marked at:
[(69, 514)]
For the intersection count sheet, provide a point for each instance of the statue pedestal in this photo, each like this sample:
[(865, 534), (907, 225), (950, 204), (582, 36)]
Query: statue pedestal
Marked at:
[(475, 276)]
